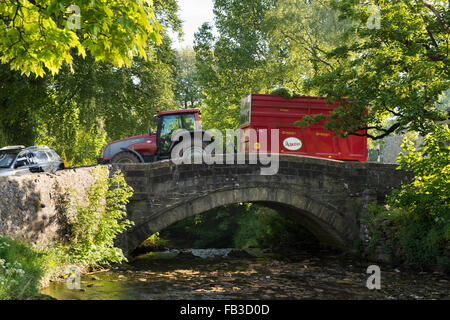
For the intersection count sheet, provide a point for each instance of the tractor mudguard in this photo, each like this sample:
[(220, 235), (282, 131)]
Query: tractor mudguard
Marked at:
[(137, 154)]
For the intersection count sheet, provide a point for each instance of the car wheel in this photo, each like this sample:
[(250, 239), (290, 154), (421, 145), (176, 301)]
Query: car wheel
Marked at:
[(124, 158)]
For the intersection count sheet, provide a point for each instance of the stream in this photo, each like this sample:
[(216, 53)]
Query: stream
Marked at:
[(251, 274)]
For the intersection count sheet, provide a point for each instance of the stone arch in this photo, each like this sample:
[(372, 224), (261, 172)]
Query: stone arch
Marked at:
[(322, 220)]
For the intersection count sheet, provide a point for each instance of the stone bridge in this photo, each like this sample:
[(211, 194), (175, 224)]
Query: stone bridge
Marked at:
[(327, 197)]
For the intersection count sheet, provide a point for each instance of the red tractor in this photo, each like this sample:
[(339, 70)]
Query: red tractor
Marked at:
[(158, 146)]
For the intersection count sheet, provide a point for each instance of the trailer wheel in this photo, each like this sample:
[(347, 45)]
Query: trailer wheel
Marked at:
[(125, 157)]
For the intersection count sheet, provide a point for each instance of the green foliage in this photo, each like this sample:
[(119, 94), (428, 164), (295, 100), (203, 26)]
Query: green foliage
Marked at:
[(21, 270), (96, 225), (282, 92), (91, 241), (262, 227), (232, 65), (90, 102), (18, 97), (100, 103), (307, 120), (261, 45), (153, 243), (397, 71), (187, 92), (155, 240), (419, 213), (331, 49), (444, 101), (429, 193), (78, 141), (77, 114), (37, 36), (300, 33)]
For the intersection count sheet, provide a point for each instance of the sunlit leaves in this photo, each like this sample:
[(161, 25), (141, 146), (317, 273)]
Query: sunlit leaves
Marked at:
[(429, 193), (35, 37), (97, 222)]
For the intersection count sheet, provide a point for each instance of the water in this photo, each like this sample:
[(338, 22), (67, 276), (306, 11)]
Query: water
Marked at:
[(251, 274)]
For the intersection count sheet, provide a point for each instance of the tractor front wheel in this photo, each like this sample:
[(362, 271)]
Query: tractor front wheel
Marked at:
[(124, 158)]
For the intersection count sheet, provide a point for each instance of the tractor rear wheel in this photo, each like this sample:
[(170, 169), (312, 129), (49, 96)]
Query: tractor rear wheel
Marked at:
[(194, 151), (190, 151), (124, 158)]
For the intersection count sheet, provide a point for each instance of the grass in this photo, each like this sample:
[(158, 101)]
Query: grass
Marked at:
[(21, 270), (24, 270)]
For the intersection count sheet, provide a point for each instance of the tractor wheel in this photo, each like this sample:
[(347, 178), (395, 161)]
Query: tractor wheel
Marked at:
[(192, 151), (124, 158)]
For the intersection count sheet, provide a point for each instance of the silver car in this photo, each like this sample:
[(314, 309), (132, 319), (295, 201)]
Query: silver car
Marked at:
[(17, 160)]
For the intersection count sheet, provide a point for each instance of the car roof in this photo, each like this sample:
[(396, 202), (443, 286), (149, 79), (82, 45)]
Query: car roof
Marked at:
[(12, 148), (21, 148), (38, 147)]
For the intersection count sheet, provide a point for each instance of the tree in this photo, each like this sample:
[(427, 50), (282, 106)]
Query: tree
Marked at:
[(187, 91), (387, 77), (300, 34), (398, 71), (444, 101), (415, 223), (262, 45), (78, 112), (100, 103), (234, 64), (19, 96), (38, 35)]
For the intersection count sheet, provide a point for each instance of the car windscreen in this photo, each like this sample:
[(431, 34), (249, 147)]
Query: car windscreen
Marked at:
[(7, 157)]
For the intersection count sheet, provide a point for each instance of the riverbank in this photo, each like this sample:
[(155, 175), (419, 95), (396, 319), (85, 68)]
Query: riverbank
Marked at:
[(25, 271), (283, 273)]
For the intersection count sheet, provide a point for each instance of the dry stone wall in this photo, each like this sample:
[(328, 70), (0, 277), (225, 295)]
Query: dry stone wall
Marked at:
[(37, 207)]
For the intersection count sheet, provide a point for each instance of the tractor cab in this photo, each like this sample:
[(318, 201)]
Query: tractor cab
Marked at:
[(170, 121)]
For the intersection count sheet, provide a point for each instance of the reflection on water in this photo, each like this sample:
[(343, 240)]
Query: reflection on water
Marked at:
[(250, 274)]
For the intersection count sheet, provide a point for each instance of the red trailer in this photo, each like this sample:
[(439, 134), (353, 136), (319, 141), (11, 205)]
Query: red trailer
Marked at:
[(266, 112)]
